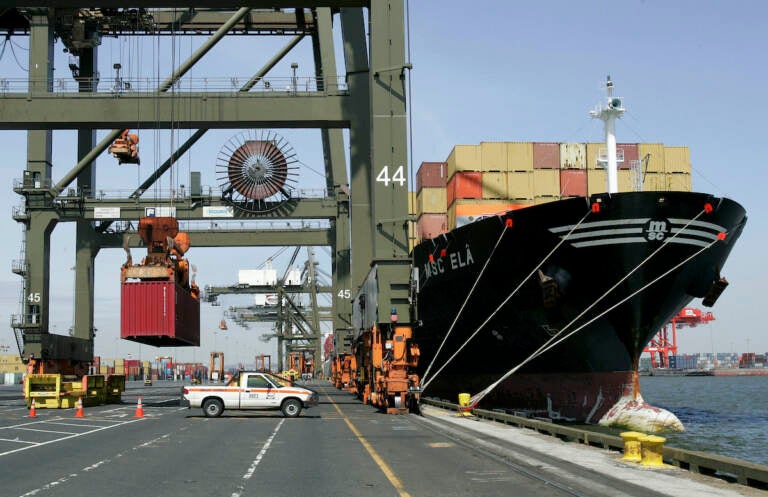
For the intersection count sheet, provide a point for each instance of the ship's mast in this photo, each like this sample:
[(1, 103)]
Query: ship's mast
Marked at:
[(608, 112)]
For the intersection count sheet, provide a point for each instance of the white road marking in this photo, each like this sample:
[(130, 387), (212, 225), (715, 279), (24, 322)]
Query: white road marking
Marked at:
[(16, 440), (252, 468), (67, 437), (49, 431), (92, 467)]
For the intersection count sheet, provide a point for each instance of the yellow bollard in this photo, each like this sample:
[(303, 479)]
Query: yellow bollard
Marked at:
[(653, 451), (632, 447), (464, 409)]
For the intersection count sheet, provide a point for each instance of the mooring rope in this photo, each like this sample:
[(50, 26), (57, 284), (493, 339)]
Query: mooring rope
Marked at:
[(455, 320), (522, 282), (549, 345), (544, 348)]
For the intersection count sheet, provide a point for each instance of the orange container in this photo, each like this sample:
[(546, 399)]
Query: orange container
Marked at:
[(573, 182), (465, 184), (468, 210)]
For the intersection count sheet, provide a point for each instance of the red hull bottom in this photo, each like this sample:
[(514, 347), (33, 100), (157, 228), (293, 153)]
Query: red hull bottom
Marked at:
[(580, 397), (606, 398)]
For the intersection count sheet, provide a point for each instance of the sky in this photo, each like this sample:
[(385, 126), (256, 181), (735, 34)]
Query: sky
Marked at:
[(690, 73)]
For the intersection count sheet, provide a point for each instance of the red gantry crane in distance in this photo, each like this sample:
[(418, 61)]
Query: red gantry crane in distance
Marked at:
[(662, 345)]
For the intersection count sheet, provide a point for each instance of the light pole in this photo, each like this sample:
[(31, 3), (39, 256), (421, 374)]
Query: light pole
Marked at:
[(294, 82)]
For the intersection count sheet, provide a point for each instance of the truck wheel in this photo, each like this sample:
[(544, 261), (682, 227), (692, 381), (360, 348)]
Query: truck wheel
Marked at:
[(213, 408), (291, 408)]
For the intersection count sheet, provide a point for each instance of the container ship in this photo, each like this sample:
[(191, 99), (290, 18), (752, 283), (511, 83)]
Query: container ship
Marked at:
[(546, 309)]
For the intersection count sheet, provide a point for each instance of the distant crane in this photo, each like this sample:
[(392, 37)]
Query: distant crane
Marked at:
[(662, 345)]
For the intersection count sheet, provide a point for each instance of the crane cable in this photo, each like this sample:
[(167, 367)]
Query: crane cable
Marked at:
[(522, 282), (475, 399)]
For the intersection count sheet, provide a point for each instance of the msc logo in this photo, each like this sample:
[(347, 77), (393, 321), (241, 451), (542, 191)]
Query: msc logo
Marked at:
[(656, 230)]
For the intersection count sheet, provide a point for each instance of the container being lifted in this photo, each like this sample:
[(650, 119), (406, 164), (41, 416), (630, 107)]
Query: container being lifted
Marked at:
[(126, 148), (162, 308)]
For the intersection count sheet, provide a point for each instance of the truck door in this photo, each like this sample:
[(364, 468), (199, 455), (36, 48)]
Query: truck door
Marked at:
[(257, 392)]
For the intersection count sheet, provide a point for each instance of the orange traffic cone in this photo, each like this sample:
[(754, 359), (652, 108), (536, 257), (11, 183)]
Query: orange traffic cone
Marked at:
[(139, 410), (79, 406), (32, 412)]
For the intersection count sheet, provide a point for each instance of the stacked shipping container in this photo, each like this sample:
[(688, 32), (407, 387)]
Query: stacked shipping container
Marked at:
[(492, 177), (430, 200)]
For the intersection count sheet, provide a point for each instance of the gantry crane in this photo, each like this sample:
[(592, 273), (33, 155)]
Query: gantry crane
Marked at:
[(665, 342)]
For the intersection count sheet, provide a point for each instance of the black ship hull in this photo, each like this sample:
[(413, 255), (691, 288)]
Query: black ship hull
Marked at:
[(606, 272)]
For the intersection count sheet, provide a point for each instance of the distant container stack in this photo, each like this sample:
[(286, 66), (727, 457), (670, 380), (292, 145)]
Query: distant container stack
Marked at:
[(493, 177)]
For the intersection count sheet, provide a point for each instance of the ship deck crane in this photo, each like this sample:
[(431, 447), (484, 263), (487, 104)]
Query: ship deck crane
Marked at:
[(665, 341)]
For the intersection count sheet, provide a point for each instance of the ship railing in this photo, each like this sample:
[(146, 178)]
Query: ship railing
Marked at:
[(218, 225), (602, 156), (169, 193), (713, 465), (82, 87)]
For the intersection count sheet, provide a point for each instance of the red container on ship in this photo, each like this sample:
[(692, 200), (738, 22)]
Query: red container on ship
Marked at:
[(546, 156), (431, 175), (159, 313), (631, 152)]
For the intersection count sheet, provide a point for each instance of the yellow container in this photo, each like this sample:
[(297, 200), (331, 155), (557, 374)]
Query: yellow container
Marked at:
[(597, 181), (679, 182), (632, 446), (495, 185), (654, 182), (519, 156), (520, 185), (626, 181), (464, 399), (493, 156), (431, 201), (463, 158), (652, 451), (656, 159), (677, 160), (593, 152), (546, 183), (573, 156)]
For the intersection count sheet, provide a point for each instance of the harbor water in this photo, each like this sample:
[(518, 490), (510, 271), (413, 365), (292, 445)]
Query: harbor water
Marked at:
[(725, 415)]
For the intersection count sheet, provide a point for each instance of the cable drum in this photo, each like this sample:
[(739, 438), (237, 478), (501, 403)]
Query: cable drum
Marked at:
[(254, 170)]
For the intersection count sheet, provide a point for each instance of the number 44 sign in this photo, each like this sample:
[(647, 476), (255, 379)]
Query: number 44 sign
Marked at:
[(397, 177)]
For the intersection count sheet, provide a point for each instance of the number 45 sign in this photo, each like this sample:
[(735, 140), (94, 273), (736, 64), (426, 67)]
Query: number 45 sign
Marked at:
[(397, 177)]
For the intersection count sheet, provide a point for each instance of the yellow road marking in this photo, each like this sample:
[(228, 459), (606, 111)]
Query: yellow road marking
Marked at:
[(383, 466)]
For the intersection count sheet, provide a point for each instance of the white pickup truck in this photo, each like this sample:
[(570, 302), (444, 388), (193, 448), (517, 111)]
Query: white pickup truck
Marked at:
[(251, 390)]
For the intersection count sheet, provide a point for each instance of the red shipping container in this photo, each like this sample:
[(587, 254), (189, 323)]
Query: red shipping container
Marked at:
[(631, 153), (131, 363), (431, 175), (431, 225), (546, 156), (573, 182), (465, 184), (159, 313)]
